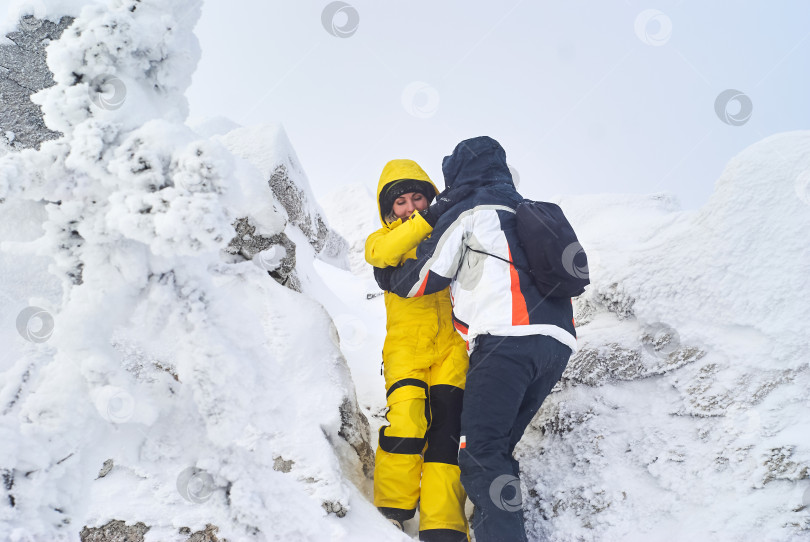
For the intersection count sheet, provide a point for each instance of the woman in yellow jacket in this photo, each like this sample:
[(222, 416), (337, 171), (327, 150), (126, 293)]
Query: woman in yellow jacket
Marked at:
[(425, 365)]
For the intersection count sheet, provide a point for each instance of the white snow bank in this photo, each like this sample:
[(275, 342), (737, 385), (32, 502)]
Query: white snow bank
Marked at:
[(683, 417)]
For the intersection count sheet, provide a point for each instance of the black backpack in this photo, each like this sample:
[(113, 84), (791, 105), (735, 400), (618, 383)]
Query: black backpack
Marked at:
[(557, 262)]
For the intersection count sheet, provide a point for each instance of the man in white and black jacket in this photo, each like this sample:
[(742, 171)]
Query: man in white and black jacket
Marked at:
[(519, 340)]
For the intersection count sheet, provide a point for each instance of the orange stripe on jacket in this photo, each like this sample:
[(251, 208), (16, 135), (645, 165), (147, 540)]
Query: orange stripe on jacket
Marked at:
[(520, 314), (572, 319), (423, 286), (462, 329)]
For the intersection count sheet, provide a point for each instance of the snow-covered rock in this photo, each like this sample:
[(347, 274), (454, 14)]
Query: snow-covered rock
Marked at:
[(683, 415), (153, 375), (269, 150)]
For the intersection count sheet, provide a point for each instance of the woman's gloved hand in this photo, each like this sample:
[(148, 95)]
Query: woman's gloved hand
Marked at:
[(445, 201)]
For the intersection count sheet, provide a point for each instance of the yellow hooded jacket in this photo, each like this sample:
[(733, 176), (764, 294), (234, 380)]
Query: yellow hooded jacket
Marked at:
[(413, 324), (425, 368)]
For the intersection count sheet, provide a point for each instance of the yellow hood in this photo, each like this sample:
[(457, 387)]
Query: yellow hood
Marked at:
[(397, 170)]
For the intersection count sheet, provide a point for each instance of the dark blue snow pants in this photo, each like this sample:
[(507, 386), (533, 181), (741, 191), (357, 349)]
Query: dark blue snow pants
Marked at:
[(508, 379)]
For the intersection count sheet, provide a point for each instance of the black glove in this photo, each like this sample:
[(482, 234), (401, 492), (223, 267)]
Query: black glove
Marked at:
[(444, 202), (383, 277)]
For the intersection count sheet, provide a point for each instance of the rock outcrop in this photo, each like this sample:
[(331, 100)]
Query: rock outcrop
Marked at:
[(205, 383), (23, 71), (683, 399)]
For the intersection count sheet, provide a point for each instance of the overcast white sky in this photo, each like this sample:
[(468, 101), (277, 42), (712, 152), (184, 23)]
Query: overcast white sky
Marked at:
[(585, 96), (581, 101)]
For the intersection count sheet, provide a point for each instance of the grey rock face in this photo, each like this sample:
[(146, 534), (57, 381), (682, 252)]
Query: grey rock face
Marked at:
[(282, 465), (611, 298), (118, 531), (780, 465), (114, 531), (594, 366), (294, 201), (209, 534), (106, 468), (248, 243), (23, 71), (8, 483), (613, 362), (354, 429)]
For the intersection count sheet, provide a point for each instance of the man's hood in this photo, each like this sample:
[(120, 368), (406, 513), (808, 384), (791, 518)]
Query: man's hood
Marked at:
[(480, 161)]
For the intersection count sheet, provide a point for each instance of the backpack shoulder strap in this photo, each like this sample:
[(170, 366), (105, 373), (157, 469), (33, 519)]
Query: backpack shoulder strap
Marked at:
[(498, 257)]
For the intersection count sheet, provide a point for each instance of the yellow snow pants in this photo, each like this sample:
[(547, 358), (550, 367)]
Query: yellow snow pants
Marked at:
[(425, 367)]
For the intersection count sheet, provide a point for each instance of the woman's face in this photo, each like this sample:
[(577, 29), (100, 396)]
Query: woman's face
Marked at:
[(406, 204)]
